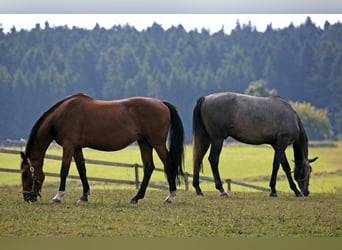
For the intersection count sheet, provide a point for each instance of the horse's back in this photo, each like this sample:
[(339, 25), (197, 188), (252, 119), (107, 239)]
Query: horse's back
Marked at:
[(110, 125), (145, 106), (81, 106), (250, 119), (151, 113)]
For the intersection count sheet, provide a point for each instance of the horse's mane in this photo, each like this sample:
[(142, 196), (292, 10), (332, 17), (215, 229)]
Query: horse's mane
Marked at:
[(38, 123), (302, 143), (303, 138)]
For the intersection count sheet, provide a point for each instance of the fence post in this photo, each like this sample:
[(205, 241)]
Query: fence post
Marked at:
[(186, 181), (136, 172), (229, 184)]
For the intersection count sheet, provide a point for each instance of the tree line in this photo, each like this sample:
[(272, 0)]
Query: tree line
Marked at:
[(38, 67)]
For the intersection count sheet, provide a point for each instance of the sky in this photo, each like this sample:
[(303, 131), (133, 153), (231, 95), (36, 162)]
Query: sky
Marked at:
[(211, 22)]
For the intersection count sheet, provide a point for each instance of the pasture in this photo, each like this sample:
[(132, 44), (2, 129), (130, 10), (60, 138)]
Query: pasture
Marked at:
[(245, 212), (109, 214)]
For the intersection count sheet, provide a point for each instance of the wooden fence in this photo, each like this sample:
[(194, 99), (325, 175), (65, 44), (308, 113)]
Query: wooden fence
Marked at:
[(135, 167)]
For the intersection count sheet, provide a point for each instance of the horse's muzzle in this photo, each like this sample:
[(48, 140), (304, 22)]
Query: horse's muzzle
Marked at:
[(305, 191), (30, 197)]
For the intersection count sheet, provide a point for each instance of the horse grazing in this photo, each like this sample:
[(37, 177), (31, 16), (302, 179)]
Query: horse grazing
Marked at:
[(251, 120), (80, 121)]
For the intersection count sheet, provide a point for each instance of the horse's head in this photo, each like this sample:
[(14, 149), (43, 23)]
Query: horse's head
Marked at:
[(32, 179), (302, 175)]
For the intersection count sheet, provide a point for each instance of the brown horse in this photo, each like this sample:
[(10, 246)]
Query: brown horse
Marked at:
[(80, 121), (252, 120)]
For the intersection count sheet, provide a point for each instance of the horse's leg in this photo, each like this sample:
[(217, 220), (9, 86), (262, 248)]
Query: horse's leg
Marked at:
[(146, 156), (200, 147), (286, 167), (214, 157), (66, 160), (80, 163), (169, 170), (278, 155)]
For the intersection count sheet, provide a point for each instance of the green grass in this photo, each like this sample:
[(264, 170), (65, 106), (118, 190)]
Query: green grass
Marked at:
[(245, 213), (109, 214)]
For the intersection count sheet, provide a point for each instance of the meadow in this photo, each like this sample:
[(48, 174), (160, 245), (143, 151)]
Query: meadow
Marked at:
[(245, 213), (109, 214)]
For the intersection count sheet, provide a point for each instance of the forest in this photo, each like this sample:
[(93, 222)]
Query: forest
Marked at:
[(40, 66)]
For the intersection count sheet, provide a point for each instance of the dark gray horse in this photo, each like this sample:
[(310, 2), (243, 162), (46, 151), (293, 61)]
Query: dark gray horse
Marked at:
[(252, 120)]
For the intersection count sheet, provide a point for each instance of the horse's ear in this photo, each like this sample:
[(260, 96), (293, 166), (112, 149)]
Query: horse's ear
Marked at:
[(23, 156), (314, 159)]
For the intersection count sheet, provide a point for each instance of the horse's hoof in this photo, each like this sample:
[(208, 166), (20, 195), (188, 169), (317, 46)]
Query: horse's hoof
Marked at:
[(55, 201), (81, 201), (200, 193), (223, 194), (300, 194), (83, 198), (167, 201), (134, 201), (273, 194)]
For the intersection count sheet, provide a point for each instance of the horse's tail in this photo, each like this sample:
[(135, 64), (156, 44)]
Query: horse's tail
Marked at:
[(197, 122), (198, 132), (176, 141)]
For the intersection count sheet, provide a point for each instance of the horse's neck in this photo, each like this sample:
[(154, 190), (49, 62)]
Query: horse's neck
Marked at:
[(300, 149), (38, 150), (302, 142)]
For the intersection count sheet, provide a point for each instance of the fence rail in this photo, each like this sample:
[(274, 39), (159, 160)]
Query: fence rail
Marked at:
[(135, 166)]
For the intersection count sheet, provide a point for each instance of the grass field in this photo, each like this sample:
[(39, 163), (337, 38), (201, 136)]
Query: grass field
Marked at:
[(245, 212), (109, 214)]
